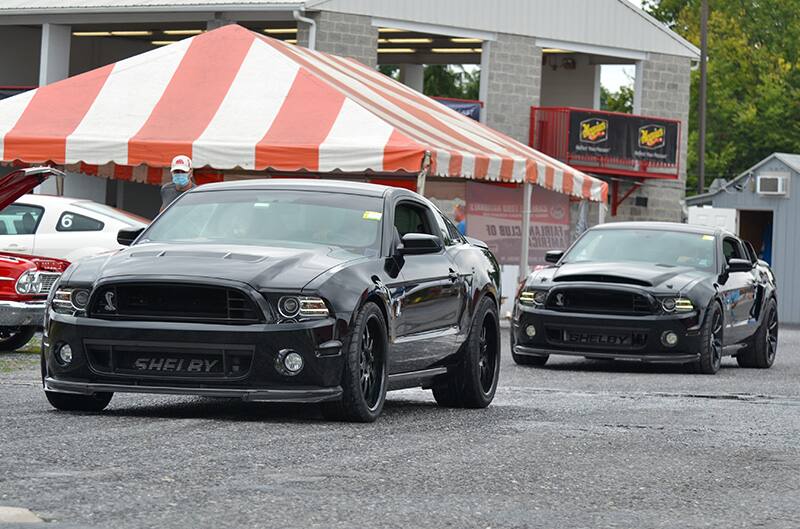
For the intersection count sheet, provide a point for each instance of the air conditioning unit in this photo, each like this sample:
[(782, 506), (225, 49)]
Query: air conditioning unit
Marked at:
[(772, 184)]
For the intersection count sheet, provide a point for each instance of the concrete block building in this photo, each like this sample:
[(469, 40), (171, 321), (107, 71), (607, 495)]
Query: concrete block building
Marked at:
[(531, 53)]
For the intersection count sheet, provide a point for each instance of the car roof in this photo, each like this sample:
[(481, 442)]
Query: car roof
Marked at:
[(303, 184), (40, 199), (664, 226)]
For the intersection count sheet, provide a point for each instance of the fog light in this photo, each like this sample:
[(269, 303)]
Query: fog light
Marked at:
[(530, 330), (293, 362), (669, 338), (64, 354)]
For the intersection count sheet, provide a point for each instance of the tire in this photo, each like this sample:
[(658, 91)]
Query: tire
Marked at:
[(364, 378), (761, 353), (13, 338), (711, 343), (70, 402), (472, 383)]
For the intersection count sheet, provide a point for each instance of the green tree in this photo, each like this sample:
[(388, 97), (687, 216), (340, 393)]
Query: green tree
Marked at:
[(753, 80), (620, 101), (444, 80)]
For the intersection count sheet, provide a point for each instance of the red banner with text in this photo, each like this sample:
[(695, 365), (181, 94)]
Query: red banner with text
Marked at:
[(494, 215)]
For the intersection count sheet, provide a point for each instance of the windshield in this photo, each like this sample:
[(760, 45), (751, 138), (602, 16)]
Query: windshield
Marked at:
[(114, 213), (658, 247), (272, 218)]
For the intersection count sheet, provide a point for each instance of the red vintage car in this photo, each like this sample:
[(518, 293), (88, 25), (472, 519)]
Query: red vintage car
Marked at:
[(25, 280)]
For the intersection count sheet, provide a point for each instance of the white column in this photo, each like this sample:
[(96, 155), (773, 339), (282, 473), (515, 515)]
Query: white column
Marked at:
[(601, 214), (413, 76), (596, 96), (54, 55), (637, 87), (527, 193), (483, 86)]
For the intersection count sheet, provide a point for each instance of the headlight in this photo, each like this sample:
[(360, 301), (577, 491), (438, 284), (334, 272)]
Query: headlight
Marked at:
[(70, 301), (533, 297), (295, 308), (677, 305), (29, 282)]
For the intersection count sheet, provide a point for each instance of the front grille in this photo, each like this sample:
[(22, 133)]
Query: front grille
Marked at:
[(147, 360), (174, 302), (597, 301), (47, 279)]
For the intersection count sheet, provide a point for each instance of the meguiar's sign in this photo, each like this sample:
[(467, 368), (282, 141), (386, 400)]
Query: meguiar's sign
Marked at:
[(622, 137)]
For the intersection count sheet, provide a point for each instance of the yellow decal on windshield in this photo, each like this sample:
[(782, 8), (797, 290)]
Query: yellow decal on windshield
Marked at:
[(708, 237), (372, 215)]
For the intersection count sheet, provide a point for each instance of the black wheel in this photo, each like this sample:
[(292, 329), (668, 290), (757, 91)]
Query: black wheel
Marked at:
[(13, 338), (69, 402), (711, 343), (365, 375), (761, 353), (473, 381), (526, 360)]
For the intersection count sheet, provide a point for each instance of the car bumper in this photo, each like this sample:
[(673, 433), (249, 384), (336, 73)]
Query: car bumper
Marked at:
[(105, 356), (22, 313), (607, 336)]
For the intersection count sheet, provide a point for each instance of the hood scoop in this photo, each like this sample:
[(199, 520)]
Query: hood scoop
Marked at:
[(601, 278), (242, 257)]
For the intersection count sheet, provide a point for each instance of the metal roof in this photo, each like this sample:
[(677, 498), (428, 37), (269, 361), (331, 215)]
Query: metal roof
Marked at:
[(613, 24), (33, 7), (792, 161), (603, 23)]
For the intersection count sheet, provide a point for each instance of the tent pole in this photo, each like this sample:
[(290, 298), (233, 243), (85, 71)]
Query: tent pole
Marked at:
[(601, 217), (423, 173), (527, 192)]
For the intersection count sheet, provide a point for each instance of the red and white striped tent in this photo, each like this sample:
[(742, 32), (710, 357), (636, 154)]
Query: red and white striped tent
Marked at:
[(232, 98)]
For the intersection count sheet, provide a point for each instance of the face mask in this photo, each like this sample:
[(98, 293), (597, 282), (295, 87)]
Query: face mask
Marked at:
[(180, 179)]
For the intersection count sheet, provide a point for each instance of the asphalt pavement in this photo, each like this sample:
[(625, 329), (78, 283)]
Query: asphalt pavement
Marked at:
[(578, 443)]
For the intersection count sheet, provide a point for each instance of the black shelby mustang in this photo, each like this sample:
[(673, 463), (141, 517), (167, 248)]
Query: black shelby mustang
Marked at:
[(656, 292), (289, 290)]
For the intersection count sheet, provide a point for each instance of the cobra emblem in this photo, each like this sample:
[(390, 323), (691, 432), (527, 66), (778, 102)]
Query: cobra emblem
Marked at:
[(560, 299), (110, 307)]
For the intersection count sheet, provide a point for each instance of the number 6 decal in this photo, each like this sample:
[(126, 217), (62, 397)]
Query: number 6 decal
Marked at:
[(66, 221)]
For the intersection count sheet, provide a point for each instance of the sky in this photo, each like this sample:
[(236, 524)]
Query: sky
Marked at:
[(613, 76)]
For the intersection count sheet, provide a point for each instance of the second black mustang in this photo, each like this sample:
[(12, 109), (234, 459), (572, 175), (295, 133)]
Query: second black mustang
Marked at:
[(656, 292), (287, 290)]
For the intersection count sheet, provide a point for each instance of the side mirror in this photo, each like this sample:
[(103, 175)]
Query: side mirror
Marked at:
[(553, 256), (419, 244), (126, 237), (739, 265)]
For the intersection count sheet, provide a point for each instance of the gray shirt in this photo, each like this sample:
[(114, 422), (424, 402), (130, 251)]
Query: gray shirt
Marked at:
[(169, 192)]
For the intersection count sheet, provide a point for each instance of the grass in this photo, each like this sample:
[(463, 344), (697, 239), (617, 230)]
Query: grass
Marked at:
[(25, 358)]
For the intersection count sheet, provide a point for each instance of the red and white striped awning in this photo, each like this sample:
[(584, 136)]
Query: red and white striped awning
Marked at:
[(232, 98)]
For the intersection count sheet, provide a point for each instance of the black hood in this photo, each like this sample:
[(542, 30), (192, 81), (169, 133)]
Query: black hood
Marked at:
[(259, 266), (630, 273)]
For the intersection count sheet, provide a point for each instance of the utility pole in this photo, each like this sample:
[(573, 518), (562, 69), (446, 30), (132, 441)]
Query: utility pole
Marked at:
[(701, 147)]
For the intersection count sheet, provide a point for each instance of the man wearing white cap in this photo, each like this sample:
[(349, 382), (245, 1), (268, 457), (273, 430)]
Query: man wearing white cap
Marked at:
[(181, 180)]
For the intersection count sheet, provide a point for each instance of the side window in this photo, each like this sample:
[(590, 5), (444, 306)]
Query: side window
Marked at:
[(411, 218), (73, 222), (732, 249), (20, 219)]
